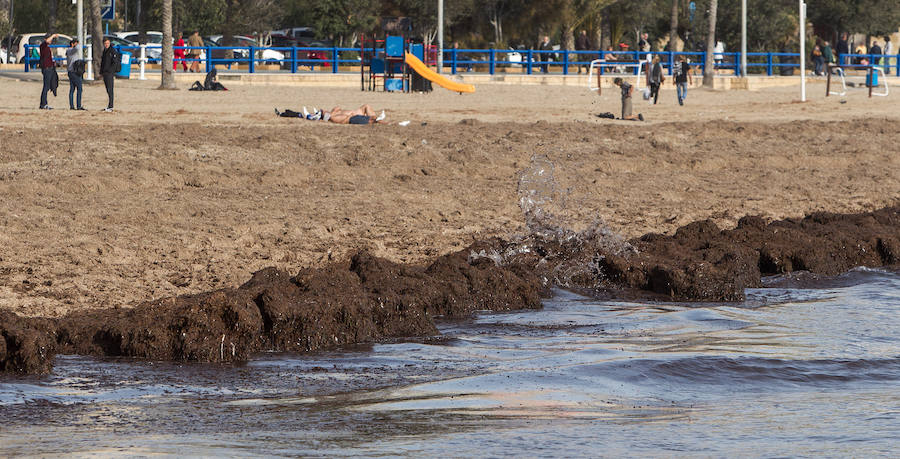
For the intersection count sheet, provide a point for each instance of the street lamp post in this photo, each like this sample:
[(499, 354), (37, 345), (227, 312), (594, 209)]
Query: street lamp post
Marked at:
[(744, 38), (802, 51), (440, 33)]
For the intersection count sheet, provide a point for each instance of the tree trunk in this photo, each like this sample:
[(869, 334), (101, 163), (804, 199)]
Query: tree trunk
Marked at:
[(168, 75), (709, 69), (96, 31), (51, 16), (673, 28)]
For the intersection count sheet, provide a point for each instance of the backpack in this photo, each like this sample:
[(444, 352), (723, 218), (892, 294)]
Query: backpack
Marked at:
[(117, 60), (79, 67)]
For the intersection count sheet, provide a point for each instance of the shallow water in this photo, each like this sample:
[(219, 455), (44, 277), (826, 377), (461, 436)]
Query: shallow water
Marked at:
[(805, 367)]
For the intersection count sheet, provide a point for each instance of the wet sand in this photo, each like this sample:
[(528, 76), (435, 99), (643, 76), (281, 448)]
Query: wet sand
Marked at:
[(181, 192)]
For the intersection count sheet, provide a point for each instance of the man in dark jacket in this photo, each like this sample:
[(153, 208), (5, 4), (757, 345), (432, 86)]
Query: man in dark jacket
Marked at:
[(108, 70), (583, 43), (842, 48), (544, 45), (876, 51), (47, 69)]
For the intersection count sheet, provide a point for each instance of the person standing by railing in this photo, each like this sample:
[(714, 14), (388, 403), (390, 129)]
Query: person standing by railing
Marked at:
[(74, 75), (843, 48), (179, 54), (875, 50), (888, 50), (582, 43), (48, 71), (195, 42), (544, 45)]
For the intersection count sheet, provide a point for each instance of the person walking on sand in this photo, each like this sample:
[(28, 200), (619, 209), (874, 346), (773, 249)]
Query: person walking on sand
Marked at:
[(178, 52), (656, 78), (75, 69), (108, 70), (627, 90), (582, 43), (682, 72), (195, 42), (48, 71)]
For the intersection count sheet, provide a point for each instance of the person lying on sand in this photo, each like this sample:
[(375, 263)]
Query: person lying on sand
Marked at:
[(362, 115)]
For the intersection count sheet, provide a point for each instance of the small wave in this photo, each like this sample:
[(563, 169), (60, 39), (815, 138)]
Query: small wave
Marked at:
[(752, 371)]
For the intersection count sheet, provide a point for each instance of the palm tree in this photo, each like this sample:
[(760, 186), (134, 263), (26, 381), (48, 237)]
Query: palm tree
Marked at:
[(97, 33), (168, 76), (709, 69), (673, 29)]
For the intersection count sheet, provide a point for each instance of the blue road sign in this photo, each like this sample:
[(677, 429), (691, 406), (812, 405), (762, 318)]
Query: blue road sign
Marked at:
[(108, 9)]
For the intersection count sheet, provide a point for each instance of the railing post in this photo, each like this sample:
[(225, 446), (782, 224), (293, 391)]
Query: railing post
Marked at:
[(769, 63), (671, 61), (293, 59), (334, 59), (27, 57), (209, 64), (530, 60), (143, 60), (252, 59), (492, 60), (453, 61), (566, 62), (602, 55), (703, 63), (897, 63)]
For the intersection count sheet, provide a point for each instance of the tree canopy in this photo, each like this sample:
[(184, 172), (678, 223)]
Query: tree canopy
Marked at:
[(772, 24)]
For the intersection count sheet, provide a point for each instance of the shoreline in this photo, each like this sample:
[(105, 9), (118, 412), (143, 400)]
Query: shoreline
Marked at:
[(368, 299)]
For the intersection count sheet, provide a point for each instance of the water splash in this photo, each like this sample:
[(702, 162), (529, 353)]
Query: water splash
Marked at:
[(566, 256)]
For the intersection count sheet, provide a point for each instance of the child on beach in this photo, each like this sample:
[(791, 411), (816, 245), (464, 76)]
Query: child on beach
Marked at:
[(627, 90)]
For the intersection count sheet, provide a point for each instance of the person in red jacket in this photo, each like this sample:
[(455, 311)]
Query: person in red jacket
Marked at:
[(179, 54)]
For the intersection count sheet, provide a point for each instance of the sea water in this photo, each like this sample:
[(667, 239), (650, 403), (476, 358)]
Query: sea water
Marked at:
[(807, 366)]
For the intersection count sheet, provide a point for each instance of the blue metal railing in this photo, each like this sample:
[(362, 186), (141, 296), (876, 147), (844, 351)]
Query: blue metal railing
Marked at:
[(491, 61)]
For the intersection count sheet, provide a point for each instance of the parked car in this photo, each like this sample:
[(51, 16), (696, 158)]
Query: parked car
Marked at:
[(285, 41), (266, 54), (114, 41), (154, 43), (34, 41)]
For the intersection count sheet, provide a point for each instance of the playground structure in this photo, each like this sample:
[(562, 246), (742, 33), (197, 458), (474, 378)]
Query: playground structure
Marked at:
[(619, 68), (400, 66), (874, 75)]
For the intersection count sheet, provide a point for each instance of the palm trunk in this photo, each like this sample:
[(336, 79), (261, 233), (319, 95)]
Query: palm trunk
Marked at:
[(51, 16), (96, 31), (709, 69), (168, 76), (673, 28)]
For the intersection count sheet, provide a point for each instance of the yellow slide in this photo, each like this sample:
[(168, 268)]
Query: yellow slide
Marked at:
[(435, 77)]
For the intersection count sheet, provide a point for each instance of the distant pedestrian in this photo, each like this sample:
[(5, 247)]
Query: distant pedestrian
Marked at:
[(719, 51), (179, 53), (583, 43), (682, 72), (545, 45), (75, 70), (656, 78), (828, 53), (108, 63), (644, 43), (627, 91), (842, 49), (875, 51), (48, 71), (818, 60), (195, 42), (888, 50)]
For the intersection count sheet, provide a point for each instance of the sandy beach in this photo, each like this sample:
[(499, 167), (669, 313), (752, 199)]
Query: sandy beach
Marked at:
[(181, 192)]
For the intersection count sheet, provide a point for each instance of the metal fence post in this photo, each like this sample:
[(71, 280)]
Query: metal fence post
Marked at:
[(769, 64), (209, 62), (492, 60), (252, 59), (27, 57), (602, 55), (453, 61), (671, 61), (334, 59), (703, 63), (897, 63), (530, 60), (294, 59), (566, 62)]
